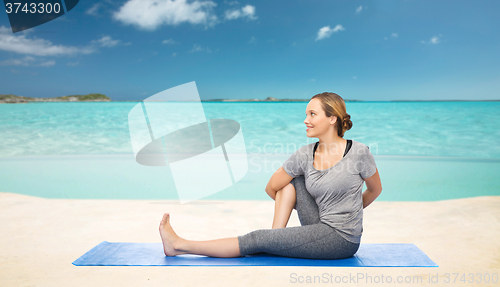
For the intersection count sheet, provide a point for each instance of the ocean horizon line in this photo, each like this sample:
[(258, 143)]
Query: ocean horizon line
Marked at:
[(261, 101), (307, 100)]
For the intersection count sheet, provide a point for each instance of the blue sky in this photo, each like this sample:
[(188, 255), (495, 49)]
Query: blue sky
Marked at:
[(365, 50)]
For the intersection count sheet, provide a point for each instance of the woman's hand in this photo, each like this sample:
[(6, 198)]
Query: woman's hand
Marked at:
[(278, 180), (373, 189)]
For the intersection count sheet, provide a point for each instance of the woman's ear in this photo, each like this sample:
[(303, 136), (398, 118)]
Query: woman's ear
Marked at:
[(333, 120)]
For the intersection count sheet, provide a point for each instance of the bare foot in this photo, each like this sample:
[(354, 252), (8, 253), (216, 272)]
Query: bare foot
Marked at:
[(168, 236)]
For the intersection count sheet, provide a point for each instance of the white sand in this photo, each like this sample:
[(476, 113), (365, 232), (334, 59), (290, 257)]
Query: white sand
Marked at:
[(40, 238)]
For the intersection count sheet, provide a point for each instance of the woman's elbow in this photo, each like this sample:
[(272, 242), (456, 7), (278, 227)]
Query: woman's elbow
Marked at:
[(375, 190), (270, 192)]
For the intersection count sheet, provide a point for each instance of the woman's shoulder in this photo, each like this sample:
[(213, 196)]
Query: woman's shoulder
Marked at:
[(358, 144), (359, 147), (304, 151)]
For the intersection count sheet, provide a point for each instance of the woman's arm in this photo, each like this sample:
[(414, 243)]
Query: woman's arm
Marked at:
[(373, 189), (279, 180)]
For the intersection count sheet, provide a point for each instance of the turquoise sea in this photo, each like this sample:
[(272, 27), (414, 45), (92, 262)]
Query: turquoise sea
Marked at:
[(423, 150)]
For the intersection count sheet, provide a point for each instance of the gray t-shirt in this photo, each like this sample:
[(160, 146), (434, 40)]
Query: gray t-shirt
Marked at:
[(336, 190)]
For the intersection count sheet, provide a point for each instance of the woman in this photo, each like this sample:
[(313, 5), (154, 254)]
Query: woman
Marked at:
[(323, 181)]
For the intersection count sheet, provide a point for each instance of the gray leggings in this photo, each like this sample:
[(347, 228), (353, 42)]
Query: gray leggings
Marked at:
[(313, 240)]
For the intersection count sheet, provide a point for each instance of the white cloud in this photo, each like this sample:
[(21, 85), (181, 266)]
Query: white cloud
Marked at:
[(72, 64), (198, 48), (5, 30), (28, 61), (48, 63), (359, 9), (37, 47), (252, 40), (326, 31), (247, 11), (151, 14), (106, 41), (93, 10), (393, 35), (434, 40), (21, 44), (169, 41)]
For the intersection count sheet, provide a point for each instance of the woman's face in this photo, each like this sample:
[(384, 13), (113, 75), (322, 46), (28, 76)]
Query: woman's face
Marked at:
[(316, 121)]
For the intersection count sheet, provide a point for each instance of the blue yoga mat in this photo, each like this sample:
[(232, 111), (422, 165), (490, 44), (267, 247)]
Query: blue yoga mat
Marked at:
[(151, 254)]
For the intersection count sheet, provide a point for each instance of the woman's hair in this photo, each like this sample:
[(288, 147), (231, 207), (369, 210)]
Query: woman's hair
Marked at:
[(334, 105)]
